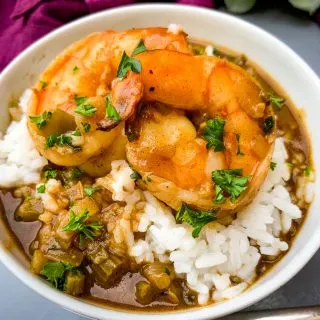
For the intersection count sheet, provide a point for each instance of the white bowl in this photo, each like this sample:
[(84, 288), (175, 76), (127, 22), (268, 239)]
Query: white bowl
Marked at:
[(294, 75)]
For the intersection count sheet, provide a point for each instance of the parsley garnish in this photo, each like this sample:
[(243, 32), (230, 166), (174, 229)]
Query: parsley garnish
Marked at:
[(111, 111), (78, 223), (229, 183), (307, 170), (50, 174), (239, 153), (277, 102), (139, 49), (76, 133), (61, 140), (42, 119), (135, 175), (198, 50), (51, 140), (268, 124), (273, 165), (75, 69), (43, 84), (89, 191), (214, 134), (41, 188), (76, 173), (128, 63), (86, 126), (55, 273), (197, 219), (83, 108)]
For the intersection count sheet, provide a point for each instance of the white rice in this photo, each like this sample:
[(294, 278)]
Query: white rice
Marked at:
[(174, 28), (208, 262), (20, 162)]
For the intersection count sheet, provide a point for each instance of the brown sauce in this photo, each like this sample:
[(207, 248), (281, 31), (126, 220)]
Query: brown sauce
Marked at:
[(122, 293)]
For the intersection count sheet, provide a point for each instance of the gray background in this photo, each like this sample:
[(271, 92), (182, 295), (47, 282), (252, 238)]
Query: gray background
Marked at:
[(302, 35)]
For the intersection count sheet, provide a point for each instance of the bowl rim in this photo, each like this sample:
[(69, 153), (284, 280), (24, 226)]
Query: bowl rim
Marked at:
[(217, 310)]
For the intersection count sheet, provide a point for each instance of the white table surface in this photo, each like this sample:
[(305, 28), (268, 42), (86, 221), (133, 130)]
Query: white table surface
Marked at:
[(18, 302)]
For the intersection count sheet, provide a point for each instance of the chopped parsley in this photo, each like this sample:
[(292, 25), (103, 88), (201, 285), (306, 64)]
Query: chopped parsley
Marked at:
[(83, 108), (86, 126), (307, 170), (75, 69), (129, 63), (198, 50), (41, 120), (50, 174), (277, 102), (43, 84), (229, 183), (55, 273), (197, 219), (273, 165), (76, 133), (213, 133), (139, 49), (60, 141), (239, 153), (76, 173), (89, 191), (135, 175), (51, 140), (268, 125), (41, 188), (78, 223), (111, 111)]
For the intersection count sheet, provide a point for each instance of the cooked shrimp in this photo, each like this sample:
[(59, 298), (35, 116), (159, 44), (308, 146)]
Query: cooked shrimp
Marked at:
[(71, 94), (169, 152)]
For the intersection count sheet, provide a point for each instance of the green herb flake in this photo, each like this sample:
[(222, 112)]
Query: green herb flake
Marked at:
[(213, 133), (198, 50), (51, 141), (86, 126), (43, 84), (78, 223), (229, 183), (239, 153), (76, 173), (42, 119), (167, 271), (89, 191), (273, 165), (83, 108), (51, 174), (139, 49), (126, 64), (197, 219), (76, 133), (135, 175), (268, 125), (41, 188), (55, 273), (307, 170), (276, 102), (111, 111), (75, 69)]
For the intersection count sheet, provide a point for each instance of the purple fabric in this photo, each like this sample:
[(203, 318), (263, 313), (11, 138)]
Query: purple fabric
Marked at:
[(24, 21)]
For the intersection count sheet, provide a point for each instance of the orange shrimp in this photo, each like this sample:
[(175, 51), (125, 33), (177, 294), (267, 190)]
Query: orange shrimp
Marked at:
[(84, 71), (218, 88)]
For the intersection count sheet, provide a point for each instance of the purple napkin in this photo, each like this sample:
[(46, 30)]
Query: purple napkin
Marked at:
[(24, 21)]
